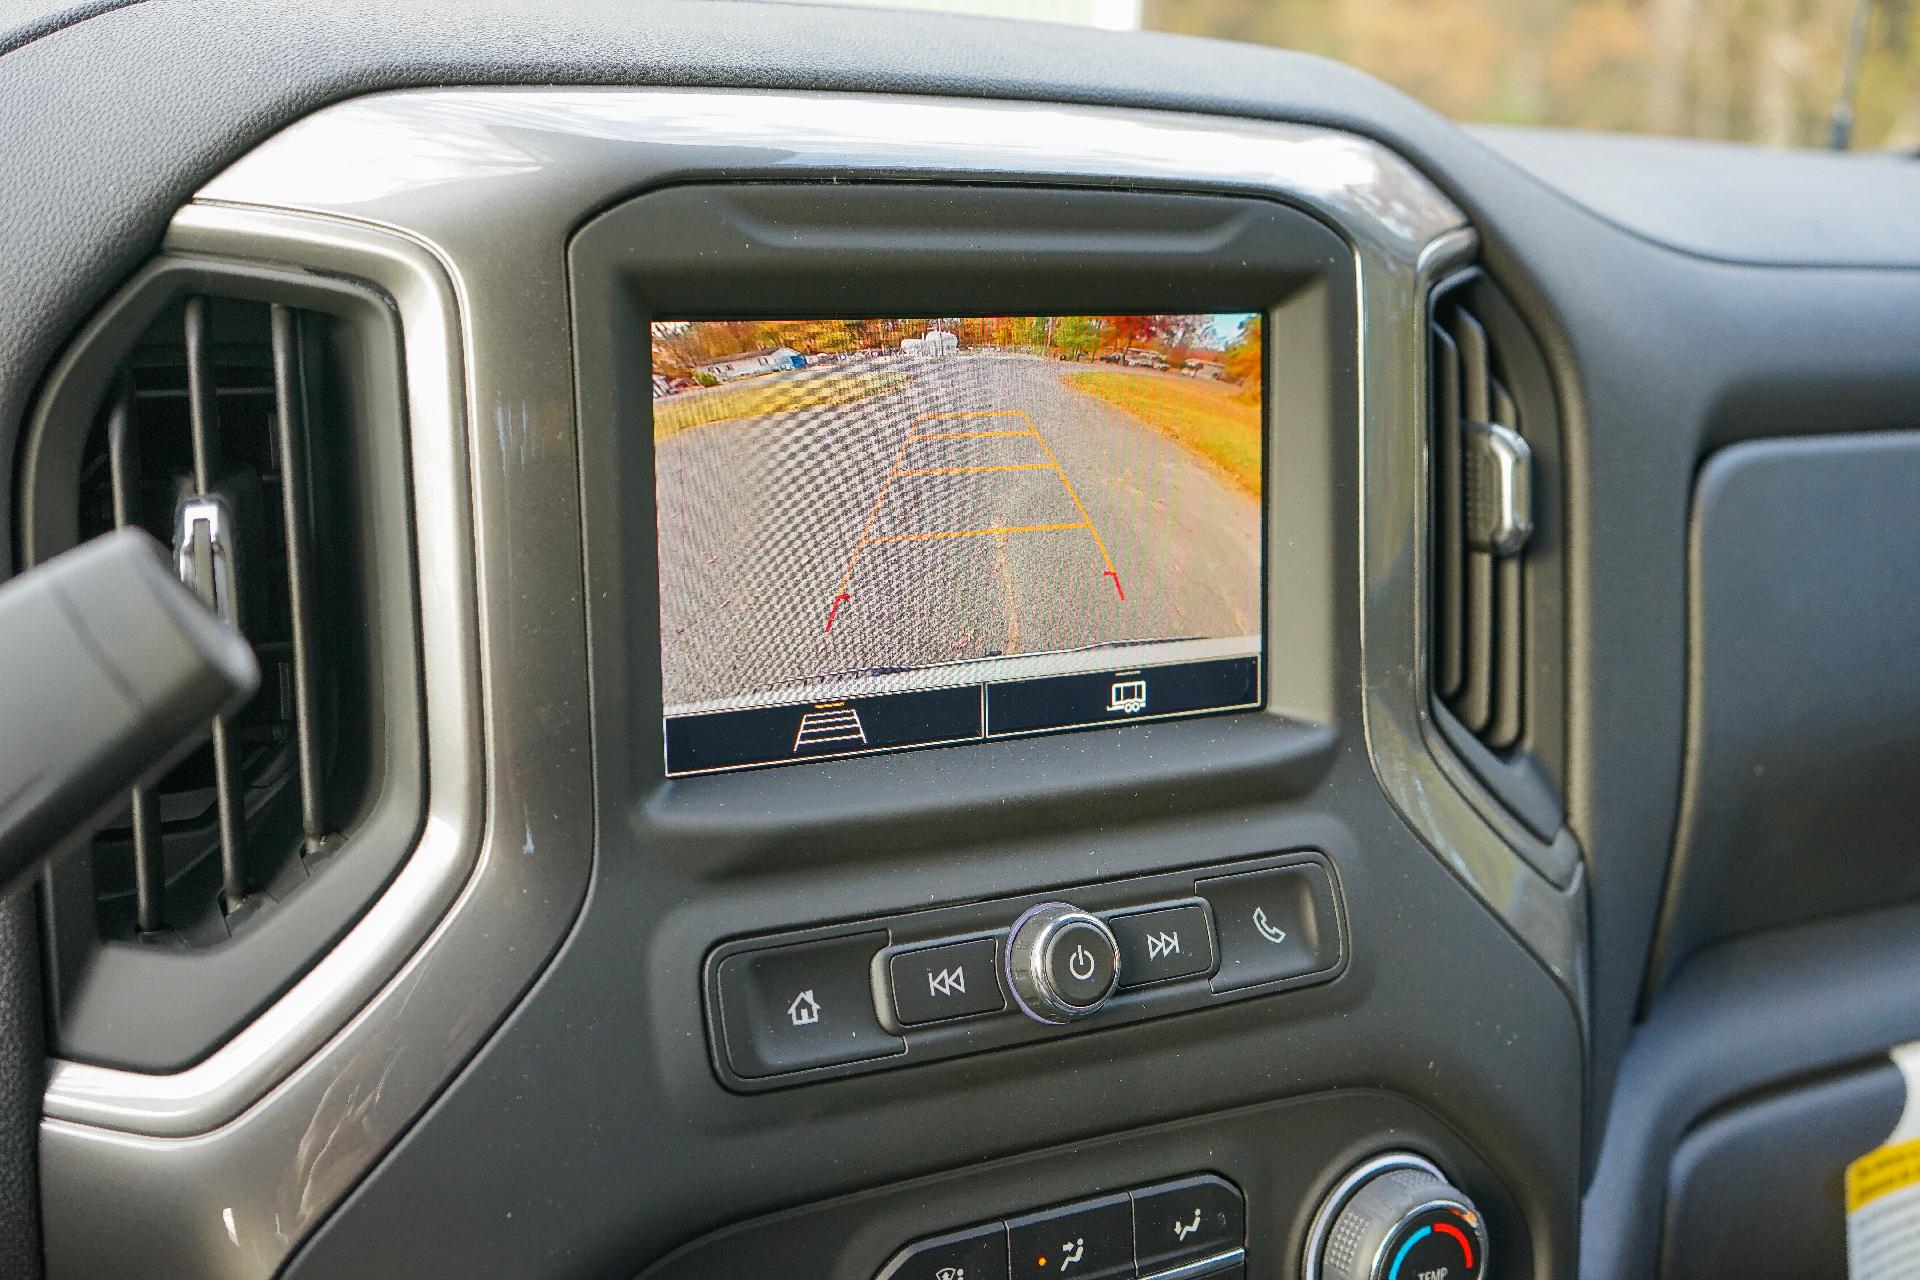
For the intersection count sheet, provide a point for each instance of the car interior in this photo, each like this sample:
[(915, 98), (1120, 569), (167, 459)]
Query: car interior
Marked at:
[(712, 640)]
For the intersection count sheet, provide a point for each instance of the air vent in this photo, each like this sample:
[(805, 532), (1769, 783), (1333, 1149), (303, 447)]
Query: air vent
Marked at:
[(1483, 519), (1497, 658), (250, 418), (204, 443)]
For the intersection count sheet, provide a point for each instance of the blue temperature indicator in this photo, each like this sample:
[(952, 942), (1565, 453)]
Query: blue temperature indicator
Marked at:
[(1405, 1249)]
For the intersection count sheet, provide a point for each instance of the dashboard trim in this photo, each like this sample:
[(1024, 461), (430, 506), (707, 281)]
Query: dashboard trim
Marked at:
[(457, 201), (234, 1160)]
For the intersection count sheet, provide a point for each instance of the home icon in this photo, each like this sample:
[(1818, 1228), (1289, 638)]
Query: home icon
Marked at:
[(805, 1010)]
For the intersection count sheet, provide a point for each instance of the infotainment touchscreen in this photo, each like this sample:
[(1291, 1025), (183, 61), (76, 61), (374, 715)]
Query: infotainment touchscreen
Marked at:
[(882, 534)]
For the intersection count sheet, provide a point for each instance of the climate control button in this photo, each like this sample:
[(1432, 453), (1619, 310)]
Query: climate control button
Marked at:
[(1063, 962), (1177, 1223), (976, 1254), (1093, 1238)]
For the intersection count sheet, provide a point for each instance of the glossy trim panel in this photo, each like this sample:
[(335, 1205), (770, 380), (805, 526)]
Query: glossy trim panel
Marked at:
[(221, 1169), (216, 1089), (1438, 795)]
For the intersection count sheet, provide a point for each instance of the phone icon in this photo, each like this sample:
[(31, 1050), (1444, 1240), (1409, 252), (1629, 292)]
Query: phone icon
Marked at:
[(1265, 926)]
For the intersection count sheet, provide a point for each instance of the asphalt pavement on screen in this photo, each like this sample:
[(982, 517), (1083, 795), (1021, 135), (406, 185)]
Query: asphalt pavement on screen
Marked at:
[(1099, 529)]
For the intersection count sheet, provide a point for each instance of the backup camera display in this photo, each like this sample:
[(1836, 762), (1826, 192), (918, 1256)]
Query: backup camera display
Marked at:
[(881, 534)]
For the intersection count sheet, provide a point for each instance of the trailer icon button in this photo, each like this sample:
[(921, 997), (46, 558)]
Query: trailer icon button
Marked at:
[(1128, 697)]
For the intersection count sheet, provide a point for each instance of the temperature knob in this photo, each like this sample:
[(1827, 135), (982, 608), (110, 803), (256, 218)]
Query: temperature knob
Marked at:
[(1064, 963), (1396, 1218)]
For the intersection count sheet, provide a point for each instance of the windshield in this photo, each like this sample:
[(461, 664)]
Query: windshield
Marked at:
[(1784, 73)]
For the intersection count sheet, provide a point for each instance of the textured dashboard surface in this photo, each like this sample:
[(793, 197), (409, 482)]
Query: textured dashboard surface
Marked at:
[(21, 1079), (1858, 209)]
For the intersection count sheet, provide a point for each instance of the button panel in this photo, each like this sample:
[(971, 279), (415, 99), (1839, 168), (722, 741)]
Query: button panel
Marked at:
[(917, 987), (1098, 1238)]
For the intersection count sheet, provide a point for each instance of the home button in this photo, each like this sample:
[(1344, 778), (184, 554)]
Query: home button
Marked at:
[(798, 1007)]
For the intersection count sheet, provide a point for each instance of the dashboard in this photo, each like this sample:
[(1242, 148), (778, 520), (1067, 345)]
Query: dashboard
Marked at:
[(923, 649)]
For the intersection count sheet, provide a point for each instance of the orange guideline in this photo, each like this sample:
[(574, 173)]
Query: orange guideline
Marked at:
[(894, 472)]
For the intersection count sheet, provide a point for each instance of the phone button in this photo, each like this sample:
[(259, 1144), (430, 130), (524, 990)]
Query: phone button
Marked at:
[(979, 1253), (1273, 925), (1091, 1240)]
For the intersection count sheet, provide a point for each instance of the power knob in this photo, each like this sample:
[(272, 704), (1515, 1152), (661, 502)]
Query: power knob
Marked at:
[(1064, 963), (1396, 1218)]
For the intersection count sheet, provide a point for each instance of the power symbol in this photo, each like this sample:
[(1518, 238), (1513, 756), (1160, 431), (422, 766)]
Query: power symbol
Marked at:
[(1080, 963)]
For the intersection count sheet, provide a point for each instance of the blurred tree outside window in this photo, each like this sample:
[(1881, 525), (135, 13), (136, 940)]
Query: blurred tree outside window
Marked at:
[(1763, 71)]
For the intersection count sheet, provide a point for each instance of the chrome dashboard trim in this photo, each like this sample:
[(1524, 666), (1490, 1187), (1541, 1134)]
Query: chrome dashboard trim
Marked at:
[(459, 202), (1216, 1265)]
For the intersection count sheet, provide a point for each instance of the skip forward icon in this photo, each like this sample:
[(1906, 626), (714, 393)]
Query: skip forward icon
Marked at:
[(1162, 944)]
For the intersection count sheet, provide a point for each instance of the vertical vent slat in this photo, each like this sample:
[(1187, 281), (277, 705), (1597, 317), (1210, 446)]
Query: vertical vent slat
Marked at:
[(123, 465), (1479, 578), (1504, 726), (203, 408), (1474, 702), (1476, 399), (290, 426), (1449, 517)]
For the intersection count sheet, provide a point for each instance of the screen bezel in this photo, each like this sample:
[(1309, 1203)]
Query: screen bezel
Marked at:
[(986, 733), (790, 250)]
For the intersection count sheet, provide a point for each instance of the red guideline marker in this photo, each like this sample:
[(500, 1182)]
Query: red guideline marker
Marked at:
[(835, 607), (1116, 586)]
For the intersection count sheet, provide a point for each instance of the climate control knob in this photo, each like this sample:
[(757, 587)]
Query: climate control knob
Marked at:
[(1062, 961), (1396, 1218)]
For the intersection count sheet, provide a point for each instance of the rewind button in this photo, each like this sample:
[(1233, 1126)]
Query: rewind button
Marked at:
[(957, 980), (1162, 944)]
